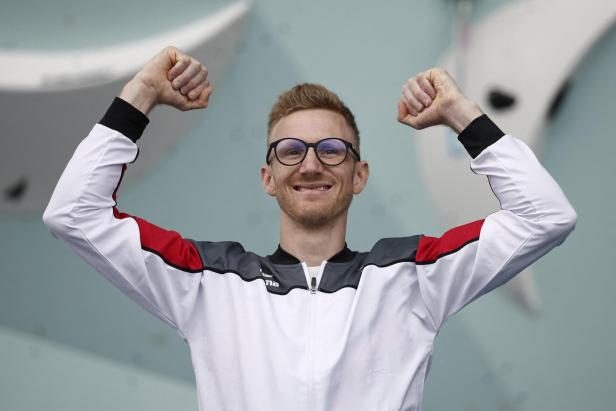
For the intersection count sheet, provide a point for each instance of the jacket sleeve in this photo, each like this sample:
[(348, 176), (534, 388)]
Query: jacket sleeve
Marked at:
[(157, 268), (471, 260)]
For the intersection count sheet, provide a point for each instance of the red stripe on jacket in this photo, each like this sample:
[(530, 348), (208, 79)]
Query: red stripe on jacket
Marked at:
[(168, 245), (431, 249)]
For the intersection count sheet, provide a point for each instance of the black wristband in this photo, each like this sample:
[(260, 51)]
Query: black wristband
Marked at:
[(126, 119), (480, 134)]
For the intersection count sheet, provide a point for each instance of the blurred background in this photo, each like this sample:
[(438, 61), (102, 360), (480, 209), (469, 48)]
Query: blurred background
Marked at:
[(70, 341)]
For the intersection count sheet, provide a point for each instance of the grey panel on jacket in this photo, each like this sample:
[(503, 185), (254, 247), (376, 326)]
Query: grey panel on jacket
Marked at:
[(230, 257), (386, 251)]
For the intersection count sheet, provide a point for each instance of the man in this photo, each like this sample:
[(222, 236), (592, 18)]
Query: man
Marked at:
[(314, 326)]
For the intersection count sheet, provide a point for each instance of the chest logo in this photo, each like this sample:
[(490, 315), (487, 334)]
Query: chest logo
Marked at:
[(269, 279)]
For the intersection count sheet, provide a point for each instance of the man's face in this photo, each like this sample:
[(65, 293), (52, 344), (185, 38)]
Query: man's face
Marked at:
[(312, 193)]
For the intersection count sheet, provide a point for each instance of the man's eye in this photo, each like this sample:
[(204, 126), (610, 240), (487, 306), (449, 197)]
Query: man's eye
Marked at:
[(329, 152)]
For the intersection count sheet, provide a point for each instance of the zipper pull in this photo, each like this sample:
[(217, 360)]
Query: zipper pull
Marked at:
[(313, 285)]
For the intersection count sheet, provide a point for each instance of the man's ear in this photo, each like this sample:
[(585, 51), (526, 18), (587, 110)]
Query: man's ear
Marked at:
[(360, 176), (268, 181)]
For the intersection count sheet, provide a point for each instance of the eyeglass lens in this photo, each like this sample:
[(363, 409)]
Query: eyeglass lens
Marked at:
[(330, 151)]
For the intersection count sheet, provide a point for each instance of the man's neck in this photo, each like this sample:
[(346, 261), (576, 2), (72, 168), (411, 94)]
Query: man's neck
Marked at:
[(312, 244)]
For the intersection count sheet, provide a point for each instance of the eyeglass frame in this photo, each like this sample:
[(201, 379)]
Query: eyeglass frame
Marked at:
[(348, 145)]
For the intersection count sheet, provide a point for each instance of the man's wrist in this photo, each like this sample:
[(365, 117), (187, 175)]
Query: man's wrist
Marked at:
[(462, 113), (139, 95), (479, 135), (125, 118)]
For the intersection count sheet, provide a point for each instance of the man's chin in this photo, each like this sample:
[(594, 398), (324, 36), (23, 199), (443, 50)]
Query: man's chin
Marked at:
[(314, 214), (315, 217), (314, 220)]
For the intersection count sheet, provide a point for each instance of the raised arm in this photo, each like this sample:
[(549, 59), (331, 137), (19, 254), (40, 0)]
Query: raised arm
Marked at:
[(157, 268), (470, 260)]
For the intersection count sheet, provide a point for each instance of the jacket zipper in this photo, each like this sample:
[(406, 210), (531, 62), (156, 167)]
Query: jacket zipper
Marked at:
[(313, 287)]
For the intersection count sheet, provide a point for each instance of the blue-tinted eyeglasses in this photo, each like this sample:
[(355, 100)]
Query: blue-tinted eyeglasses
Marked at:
[(292, 151)]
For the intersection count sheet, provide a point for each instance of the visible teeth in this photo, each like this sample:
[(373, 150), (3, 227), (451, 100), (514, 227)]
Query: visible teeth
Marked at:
[(319, 188)]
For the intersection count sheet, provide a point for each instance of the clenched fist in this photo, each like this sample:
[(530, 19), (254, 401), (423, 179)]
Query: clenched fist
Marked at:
[(171, 78), (433, 98)]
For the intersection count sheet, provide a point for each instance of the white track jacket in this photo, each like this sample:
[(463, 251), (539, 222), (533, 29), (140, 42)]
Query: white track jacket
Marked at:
[(265, 334)]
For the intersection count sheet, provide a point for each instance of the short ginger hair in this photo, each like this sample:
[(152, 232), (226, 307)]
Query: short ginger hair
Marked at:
[(307, 96)]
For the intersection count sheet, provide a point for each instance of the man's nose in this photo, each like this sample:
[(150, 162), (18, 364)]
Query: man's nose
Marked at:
[(311, 163)]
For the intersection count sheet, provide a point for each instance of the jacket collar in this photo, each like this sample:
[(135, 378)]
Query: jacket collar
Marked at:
[(280, 256)]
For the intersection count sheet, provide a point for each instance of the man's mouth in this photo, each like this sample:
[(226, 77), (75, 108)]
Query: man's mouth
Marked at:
[(311, 187)]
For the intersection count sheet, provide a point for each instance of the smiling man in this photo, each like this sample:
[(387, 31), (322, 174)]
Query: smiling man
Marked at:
[(313, 187), (314, 326)]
